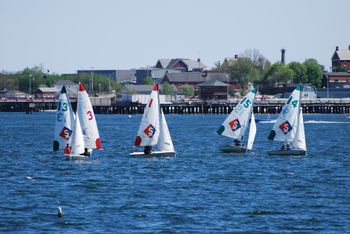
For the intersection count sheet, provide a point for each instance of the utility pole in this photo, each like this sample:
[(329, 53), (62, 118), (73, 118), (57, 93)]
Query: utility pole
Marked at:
[(92, 80), (30, 83)]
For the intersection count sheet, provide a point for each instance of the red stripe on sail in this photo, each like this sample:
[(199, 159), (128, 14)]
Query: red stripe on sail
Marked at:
[(138, 141), (155, 87), (81, 87), (98, 143), (150, 102)]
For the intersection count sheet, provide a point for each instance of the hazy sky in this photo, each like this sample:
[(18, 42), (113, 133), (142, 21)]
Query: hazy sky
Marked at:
[(66, 35)]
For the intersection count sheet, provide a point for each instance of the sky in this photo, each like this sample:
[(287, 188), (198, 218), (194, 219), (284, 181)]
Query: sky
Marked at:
[(64, 36)]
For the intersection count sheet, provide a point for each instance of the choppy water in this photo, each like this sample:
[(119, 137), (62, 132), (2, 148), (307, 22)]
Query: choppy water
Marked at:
[(200, 190)]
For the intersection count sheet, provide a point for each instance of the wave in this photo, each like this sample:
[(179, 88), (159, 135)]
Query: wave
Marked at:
[(326, 122)]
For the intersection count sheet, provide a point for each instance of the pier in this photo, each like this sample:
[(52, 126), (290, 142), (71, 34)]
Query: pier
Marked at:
[(273, 106)]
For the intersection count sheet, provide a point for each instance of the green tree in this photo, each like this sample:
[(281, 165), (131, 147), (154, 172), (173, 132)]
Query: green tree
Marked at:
[(248, 68), (299, 70), (278, 74), (167, 89), (148, 81), (187, 90), (314, 72)]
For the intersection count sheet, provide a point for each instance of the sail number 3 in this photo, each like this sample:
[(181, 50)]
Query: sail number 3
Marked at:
[(90, 115), (64, 106)]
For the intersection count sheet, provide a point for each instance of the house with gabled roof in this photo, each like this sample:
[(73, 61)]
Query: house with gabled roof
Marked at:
[(213, 89), (184, 65), (46, 92), (341, 60), (340, 75), (71, 87), (194, 78)]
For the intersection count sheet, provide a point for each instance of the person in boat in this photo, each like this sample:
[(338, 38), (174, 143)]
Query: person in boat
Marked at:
[(86, 152), (148, 149), (67, 149), (237, 142), (286, 146)]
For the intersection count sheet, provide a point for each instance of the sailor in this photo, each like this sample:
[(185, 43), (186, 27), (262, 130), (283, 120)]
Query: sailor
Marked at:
[(286, 146), (148, 149), (86, 152), (67, 150), (237, 142)]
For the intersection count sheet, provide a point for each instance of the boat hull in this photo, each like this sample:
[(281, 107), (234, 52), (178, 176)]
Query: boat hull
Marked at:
[(154, 154), (287, 152), (232, 149), (76, 157)]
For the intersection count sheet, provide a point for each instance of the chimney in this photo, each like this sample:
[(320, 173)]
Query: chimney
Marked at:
[(336, 48), (283, 52)]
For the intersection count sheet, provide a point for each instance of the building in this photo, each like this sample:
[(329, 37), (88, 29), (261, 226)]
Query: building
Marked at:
[(157, 74), (194, 78), (71, 87), (46, 92), (183, 65), (140, 94), (341, 60), (111, 74), (338, 79), (15, 94), (213, 90), (126, 76)]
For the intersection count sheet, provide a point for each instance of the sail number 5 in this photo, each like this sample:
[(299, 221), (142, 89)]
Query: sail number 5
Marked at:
[(246, 102)]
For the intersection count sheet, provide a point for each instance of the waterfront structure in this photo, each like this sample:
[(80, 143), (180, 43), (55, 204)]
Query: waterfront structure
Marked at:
[(213, 89), (46, 92)]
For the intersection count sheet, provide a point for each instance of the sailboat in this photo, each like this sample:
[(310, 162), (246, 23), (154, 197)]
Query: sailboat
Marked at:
[(64, 121), (289, 127), (77, 142), (87, 124), (153, 130), (236, 125)]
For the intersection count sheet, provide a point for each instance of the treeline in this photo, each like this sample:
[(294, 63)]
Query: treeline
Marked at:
[(252, 67), (30, 79)]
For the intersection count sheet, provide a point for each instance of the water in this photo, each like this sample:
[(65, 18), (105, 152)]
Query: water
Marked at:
[(200, 190)]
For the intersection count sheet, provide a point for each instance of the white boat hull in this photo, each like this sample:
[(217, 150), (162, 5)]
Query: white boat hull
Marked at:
[(154, 154), (293, 152), (76, 157), (233, 149)]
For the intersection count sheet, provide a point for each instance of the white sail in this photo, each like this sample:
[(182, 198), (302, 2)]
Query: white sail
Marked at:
[(286, 125), (64, 121), (87, 120), (299, 140), (77, 142), (252, 133), (148, 132), (164, 141), (236, 124)]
